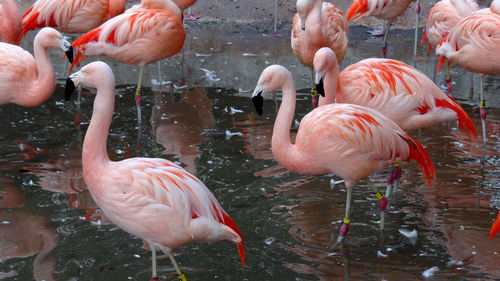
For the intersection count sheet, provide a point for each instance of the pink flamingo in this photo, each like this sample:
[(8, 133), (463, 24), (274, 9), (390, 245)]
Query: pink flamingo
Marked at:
[(27, 80), (397, 90), (474, 44), (442, 17), (318, 24), (347, 140), (10, 22), (70, 16), (142, 35), (495, 227), (387, 10), (151, 198)]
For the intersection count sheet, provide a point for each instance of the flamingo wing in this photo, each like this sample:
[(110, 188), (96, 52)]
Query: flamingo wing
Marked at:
[(361, 138), (336, 29), (160, 190), (402, 93), (474, 43), (441, 19), (383, 9), (139, 36)]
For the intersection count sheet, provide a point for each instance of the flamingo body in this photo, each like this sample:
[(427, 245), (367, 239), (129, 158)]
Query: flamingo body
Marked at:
[(399, 91), (474, 43), (325, 26), (10, 21), (153, 199), (382, 9), (71, 16), (443, 16), (26, 80), (348, 140), (139, 36)]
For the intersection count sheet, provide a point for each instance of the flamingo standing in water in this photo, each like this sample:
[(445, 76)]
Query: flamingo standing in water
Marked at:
[(442, 17), (151, 198), (397, 90), (474, 44), (143, 34), (318, 24), (388, 10), (347, 140), (70, 16), (10, 22), (26, 80)]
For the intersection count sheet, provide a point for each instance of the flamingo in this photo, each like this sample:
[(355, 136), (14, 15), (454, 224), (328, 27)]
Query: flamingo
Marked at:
[(397, 90), (26, 80), (318, 24), (143, 34), (495, 227), (388, 10), (151, 198), (10, 22), (347, 140), (70, 16), (474, 44), (442, 17)]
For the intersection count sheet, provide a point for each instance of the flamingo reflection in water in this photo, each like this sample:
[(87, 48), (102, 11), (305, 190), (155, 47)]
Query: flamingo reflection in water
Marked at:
[(24, 233)]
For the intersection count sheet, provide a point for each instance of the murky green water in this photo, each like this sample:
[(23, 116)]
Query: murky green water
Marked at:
[(50, 229)]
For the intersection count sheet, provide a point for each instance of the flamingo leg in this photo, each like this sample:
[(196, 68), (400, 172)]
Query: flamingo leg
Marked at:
[(417, 9), (346, 221), (314, 92), (180, 275), (382, 203), (138, 96), (153, 260), (482, 109), (471, 90), (386, 35), (448, 79), (275, 30)]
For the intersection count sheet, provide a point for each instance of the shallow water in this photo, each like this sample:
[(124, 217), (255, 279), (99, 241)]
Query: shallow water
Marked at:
[(202, 118)]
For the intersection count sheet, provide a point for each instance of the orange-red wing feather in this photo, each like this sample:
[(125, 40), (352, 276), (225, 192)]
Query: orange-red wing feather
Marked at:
[(419, 154), (464, 121), (357, 9), (495, 227)]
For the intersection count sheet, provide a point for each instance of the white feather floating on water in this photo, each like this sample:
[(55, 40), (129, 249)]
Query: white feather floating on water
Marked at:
[(411, 235), (430, 272)]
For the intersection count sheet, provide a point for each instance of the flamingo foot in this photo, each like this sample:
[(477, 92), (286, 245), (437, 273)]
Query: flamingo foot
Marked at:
[(191, 17), (343, 232), (377, 32), (384, 50), (450, 86)]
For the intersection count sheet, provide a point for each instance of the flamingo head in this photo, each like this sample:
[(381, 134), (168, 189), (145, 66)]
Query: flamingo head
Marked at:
[(94, 75), (48, 37), (324, 60), (274, 77), (304, 7)]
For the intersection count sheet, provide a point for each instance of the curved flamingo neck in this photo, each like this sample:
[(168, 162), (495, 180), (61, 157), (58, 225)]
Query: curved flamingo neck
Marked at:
[(313, 30), (330, 83), (283, 150), (95, 154), (43, 87)]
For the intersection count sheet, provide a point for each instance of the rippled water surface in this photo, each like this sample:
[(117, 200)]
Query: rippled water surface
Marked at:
[(201, 116)]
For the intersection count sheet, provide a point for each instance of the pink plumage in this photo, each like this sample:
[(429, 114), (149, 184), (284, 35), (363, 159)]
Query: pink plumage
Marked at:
[(382, 9), (325, 26), (399, 91), (142, 35), (70, 16), (10, 22), (151, 198), (26, 80)]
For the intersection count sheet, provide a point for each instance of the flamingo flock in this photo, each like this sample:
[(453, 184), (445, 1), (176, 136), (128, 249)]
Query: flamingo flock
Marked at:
[(359, 125)]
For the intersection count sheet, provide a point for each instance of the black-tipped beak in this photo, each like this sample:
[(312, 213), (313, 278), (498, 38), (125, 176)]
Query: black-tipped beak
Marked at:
[(70, 88), (69, 54), (303, 28), (258, 102), (320, 88)]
